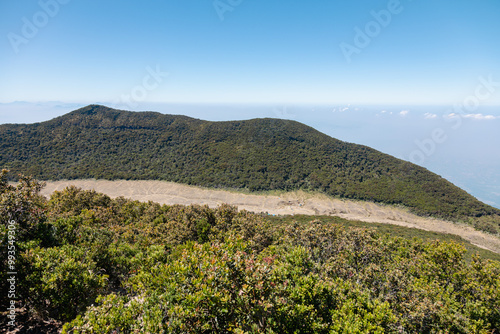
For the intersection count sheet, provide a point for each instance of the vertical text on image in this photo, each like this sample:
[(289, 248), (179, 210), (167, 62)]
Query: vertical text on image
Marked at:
[(11, 273)]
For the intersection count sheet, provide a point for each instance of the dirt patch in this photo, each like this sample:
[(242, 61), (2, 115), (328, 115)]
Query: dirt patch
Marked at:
[(28, 324), (285, 204)]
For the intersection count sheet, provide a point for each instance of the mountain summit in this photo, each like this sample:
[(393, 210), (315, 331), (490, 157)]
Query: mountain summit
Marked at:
[(256, 155)]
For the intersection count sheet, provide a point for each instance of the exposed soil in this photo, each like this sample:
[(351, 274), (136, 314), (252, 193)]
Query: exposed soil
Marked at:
[(27, 324), (284, 204)]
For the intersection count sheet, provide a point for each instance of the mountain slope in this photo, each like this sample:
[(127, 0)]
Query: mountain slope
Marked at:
[(259, 154)]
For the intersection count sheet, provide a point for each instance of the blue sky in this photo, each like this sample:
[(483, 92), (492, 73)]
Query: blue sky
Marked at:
[(263, 51)]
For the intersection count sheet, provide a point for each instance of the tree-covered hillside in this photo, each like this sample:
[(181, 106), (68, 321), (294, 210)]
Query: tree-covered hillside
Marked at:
[(259, 154), (99, 265)]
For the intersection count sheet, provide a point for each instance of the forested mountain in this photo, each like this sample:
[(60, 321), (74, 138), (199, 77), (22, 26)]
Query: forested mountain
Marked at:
[(259, 154)]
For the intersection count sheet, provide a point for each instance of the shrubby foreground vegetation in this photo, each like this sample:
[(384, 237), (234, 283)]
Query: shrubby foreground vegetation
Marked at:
[(102, 265), (256, 155)]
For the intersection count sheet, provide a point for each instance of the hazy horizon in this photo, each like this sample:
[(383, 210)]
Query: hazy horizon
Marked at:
[(465, 152)]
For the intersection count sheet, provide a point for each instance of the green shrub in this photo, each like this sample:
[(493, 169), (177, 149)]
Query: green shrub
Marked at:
[(60, 282), (226, 287), (72, 200), (22, 204), (157, 268)]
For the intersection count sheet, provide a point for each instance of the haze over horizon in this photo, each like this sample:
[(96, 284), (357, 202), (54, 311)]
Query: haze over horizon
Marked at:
[(410, 67), (466, 151)]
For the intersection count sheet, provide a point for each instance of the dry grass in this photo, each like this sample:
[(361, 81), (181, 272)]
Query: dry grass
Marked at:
[(279, 203)]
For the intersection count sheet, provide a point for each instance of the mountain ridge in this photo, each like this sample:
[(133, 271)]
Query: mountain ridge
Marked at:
[(258, 154)]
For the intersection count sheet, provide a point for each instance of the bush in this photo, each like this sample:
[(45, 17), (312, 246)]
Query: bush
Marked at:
[(22, 204), (157, 268), (60, 282), (22, 223), (227, 287), (72, 200)]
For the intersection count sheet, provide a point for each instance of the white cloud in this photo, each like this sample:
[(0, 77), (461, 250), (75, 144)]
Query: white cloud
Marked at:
[(480, 117), (384, 112), (404, 113), (477, 117), (429, 115), (341, 109)]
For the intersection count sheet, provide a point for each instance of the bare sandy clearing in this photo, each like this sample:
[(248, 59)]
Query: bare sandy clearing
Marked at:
[(285, 204)]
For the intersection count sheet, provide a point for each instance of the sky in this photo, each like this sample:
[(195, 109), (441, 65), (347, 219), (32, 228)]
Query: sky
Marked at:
[(417, 79), (242, 51)]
